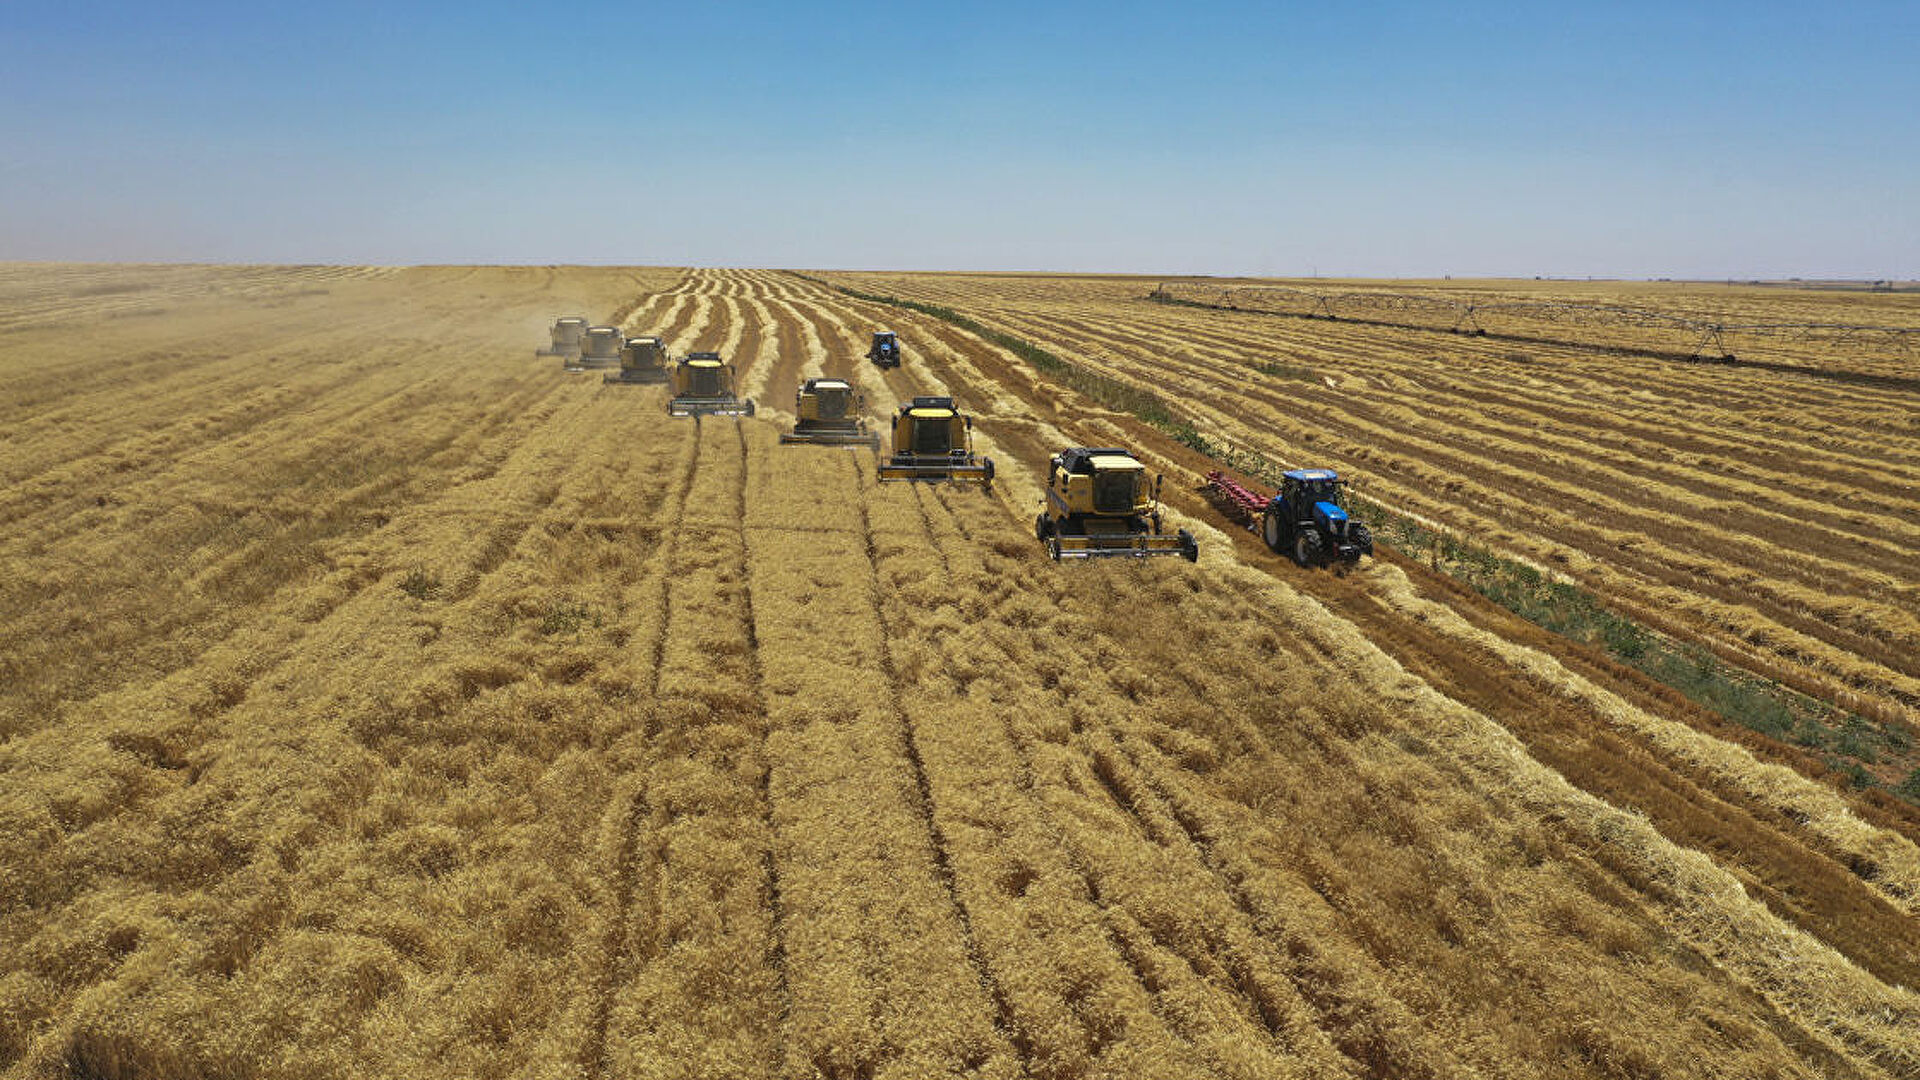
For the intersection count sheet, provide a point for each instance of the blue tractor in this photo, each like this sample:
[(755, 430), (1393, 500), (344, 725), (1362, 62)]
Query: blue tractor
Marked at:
[(885, 350), (1308, 520)]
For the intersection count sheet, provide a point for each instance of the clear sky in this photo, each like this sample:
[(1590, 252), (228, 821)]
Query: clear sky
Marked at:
[(1682, 139)]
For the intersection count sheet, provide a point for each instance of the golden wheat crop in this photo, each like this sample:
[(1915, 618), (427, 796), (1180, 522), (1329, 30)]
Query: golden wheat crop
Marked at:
[(381, 700)]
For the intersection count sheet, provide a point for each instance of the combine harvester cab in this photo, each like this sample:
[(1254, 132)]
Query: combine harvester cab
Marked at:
[(885, 350), (642, 360), (599, 348), (1100, 504), (567, 333), (933, 440), (1307, 519), (830, 414), (703, 386)]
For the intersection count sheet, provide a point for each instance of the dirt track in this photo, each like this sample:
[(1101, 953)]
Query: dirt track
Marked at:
[(417, 708)]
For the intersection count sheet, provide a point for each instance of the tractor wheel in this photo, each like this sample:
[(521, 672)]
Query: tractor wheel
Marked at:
[(1040, 529), (1270, 531), (1307, 548), (1189, 548)]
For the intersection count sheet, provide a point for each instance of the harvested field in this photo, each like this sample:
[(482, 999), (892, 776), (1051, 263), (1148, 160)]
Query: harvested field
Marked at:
[(376, 699), (1773, 515)]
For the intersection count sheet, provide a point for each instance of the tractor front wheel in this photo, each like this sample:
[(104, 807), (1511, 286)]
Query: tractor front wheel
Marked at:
[(1041, 527)]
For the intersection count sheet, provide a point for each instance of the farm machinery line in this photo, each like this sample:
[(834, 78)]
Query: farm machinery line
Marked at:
[(1099, 502)]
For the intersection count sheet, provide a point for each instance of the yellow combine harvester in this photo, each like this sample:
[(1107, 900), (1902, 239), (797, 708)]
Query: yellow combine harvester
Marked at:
[(1099, 503), (933, 440), (599, 348), (567, 332), (642, 360), (703, 386), (829, 414)]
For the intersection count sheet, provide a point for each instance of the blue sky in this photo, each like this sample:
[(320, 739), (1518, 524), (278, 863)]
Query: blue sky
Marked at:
[(1622, 139)]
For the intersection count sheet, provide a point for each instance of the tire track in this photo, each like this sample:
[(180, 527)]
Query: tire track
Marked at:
[(769, 868), (864, 483), (872, 920), (671, 536), (1168, 970), (633, 867), (632, 888)]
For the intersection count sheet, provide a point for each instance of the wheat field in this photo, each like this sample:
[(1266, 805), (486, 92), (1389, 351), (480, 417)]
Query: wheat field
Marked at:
[(377, 699)]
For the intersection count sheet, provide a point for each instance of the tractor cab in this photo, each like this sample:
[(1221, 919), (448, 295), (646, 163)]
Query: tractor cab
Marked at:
[(1317, 493), (832, 398), (1304, 487), (704, 377)]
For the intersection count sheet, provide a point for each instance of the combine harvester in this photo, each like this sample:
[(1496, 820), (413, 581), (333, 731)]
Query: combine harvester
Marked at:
[(703, 386), (933, 440), (1306, 519), (885, 350), (642, 360), (567, 333), (1099, 504), (599, 348), (829, 414)]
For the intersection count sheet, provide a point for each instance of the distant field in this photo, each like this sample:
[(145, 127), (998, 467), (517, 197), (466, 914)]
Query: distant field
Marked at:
[(377, 699)]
